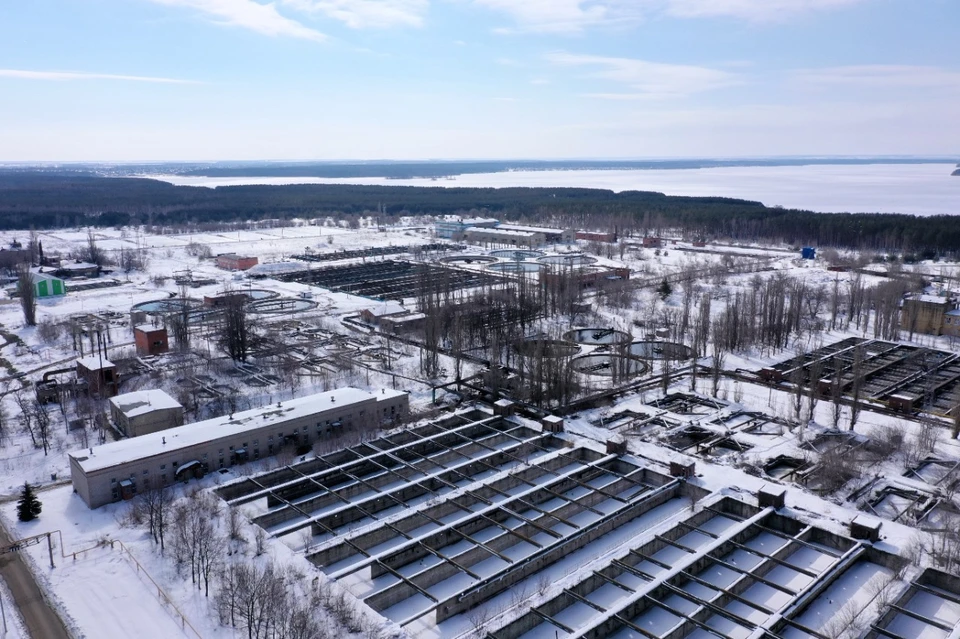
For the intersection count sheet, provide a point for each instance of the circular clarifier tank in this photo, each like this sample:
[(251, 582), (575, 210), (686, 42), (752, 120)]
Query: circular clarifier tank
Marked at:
[(551, 348), (660, 350), (609, 365), (568, 260), (281, 305), (160, 307), (596, 336), (468, 259), (515, 267), (517, 254)]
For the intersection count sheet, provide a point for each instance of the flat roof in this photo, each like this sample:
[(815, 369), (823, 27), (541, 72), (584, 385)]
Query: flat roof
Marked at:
[(148, 328), (411, 317), (386, 308), (930, 299), (188, 435), (95, 363), (144, 401), (500, 231), (531, 229)]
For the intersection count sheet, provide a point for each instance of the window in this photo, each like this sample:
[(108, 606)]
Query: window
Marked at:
[(204, 456), (163, 466), (256, 442), (113, 480), (145, 471)]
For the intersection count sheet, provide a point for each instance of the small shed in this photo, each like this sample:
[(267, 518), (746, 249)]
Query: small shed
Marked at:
[(808, 253), (552, 424), (46, 285), (151, 340), (375, 314)]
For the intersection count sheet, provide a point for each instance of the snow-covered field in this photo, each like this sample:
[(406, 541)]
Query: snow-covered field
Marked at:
[(918, 189)]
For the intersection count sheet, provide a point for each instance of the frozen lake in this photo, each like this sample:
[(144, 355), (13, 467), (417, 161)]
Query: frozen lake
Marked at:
[(919, 189)]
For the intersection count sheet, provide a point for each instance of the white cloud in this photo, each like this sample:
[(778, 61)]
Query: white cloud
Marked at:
[(564, 16), (247, 14), (753, 10), (649, 79), (881, 76), (361, 14), (61, 76)]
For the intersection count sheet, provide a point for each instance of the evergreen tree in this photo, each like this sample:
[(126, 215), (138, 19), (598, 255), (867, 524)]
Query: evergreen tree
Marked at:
[(664, 289), (28, 506)]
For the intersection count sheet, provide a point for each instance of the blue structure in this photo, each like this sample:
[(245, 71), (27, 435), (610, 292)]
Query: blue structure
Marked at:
[(808, 253)]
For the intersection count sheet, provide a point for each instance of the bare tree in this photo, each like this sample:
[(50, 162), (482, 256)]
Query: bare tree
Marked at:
[(236, 330), (157, 501), (28, 294)]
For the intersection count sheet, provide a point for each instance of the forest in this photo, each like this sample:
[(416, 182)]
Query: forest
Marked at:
[(56, 199)]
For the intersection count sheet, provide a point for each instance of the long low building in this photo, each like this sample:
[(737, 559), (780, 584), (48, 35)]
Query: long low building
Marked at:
[(120, 470)]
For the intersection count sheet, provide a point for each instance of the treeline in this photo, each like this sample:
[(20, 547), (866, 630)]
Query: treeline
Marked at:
[(53, 200)]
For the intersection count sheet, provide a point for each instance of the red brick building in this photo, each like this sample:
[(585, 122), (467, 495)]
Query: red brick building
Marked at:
[(652, 242), (591, 236), (234, 262), (150, 340)]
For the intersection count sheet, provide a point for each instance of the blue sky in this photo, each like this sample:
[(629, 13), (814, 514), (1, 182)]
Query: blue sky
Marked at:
[(134, 80)]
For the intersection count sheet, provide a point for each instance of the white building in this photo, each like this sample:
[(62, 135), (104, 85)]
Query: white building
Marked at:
[(120, 470), (144, 412)]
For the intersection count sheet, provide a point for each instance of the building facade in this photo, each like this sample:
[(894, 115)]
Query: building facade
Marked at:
[(503, 237), (234, 262), (150, 340), (121, 470), (100, 376), (926, 314), (144, 412), (452, 228)]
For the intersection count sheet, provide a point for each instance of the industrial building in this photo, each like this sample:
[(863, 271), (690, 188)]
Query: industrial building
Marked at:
[(504, 237), (593, 236), (927, 314), (234, 262), (119, 470), (550, 235), (144, 412), (454, 227), (150, 340), (100, 374)]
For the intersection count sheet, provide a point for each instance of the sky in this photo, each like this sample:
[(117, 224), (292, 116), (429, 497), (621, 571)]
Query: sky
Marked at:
[(200, 80)]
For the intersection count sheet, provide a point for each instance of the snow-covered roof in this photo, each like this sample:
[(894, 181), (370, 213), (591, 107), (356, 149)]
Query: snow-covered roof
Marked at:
[(500, 231), (530, 229), (189, 435), (469, 220), (94, 363), (77, 266), (46, 277), (148, 328), (142, 402), (387, 308), (409, 317), (930, 299), (277, 268)]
